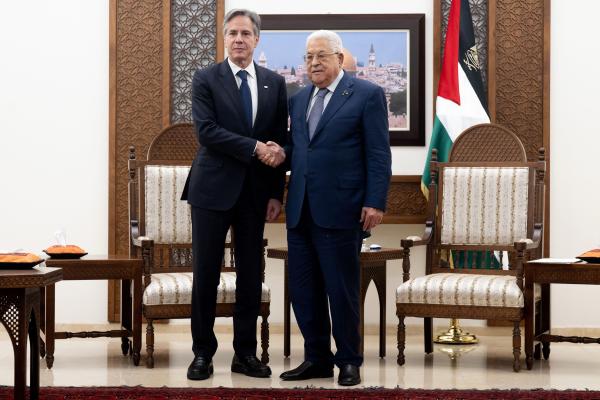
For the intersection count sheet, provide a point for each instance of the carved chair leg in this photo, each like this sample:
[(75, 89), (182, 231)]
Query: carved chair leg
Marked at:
[(401, 340), (517, 346), (149, 344), (428, 335), (546, 350), (125, 345), (537, 351), (264, 339)]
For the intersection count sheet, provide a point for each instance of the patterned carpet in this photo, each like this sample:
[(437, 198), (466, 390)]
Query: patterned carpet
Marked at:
[(134, 393)]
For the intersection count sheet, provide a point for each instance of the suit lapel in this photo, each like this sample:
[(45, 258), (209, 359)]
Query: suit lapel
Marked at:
[(229, 84), (264, 90), (342, 93), (303, 101)]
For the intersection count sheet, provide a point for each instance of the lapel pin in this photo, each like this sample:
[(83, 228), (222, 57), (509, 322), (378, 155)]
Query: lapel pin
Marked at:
[(345, 92), (266, 87)]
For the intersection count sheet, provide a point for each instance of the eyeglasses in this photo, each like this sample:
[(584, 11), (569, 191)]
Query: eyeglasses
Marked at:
[(320, 57)]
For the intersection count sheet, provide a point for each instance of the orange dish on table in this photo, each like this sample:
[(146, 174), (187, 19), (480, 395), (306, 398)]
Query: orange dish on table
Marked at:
[(591, 256), (19, 260), (68, 251)]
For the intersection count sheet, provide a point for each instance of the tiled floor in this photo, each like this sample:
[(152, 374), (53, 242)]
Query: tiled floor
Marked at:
[(98, 362)]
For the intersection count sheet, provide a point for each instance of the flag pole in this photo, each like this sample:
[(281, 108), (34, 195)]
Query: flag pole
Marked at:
[(455, 335), (459, 64)]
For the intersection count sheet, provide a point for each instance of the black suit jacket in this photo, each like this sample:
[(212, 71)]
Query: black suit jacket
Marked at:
[(224, 159)]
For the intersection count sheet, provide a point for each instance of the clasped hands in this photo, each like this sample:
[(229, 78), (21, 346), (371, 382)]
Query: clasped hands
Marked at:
[(270, 153)]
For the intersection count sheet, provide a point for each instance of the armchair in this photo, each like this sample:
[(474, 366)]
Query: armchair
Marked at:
[(160, 233), (486, 199)]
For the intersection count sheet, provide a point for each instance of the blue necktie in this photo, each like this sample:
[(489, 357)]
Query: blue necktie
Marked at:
[(246, 96), (315, 112)]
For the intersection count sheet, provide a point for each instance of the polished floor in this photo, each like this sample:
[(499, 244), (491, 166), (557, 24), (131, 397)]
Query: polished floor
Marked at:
[(98, 362)]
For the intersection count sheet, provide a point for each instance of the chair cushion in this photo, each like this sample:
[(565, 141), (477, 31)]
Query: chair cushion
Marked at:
[(484, 205), (176, 288), (168, 218), (463, 289)]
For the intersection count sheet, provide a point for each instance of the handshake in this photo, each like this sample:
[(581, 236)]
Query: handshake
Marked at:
[(270, 153)]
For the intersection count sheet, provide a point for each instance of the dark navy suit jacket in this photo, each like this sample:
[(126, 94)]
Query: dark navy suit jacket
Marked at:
[(226, 142), (347, 164)]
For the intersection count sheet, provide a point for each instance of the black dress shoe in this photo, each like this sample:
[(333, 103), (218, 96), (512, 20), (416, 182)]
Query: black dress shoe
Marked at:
[(250, 366), (307, 370), (349, 375), (201, 368)]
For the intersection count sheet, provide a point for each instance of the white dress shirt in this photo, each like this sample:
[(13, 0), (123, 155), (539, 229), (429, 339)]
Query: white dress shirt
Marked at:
[(251, 83), (331, 88)]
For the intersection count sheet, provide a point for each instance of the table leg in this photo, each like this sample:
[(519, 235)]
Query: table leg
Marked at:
[(286, 312), (529, 321), (380, 280), (19, 313), (125, 314), (50, 316), (138, 291), (545, 316), (42, 321), (365, 279), (33, 328)]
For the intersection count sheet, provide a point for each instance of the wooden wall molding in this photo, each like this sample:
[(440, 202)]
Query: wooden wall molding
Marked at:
[(135, 106)]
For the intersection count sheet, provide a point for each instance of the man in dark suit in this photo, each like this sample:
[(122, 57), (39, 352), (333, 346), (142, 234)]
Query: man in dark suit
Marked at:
[(341, 166), (237, 106)]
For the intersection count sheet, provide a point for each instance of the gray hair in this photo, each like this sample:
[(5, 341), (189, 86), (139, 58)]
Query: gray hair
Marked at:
[(333, 39), (236, 12)]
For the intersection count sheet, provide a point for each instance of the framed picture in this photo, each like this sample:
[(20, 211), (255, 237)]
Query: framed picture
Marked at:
[(386, 49)]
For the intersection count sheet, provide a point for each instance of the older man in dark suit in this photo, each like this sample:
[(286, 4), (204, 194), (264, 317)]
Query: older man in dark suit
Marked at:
[(341, 166), (237, 106)]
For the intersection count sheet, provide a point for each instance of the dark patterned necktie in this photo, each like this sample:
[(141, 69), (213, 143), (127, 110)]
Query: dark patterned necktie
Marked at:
[(246, 96), (315, 112)]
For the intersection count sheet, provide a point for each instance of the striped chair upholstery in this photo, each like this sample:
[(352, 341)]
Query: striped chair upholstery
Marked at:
[(168, 219), (463, 290), (484, 205), (176, 288)]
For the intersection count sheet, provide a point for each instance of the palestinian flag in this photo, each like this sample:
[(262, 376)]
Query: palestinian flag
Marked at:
[(460, 103), (461, 100)]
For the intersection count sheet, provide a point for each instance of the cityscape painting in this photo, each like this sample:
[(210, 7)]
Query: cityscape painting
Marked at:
[(379, 57), (384, 49)]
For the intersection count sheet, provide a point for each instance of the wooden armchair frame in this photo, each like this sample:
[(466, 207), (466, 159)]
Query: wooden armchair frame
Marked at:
[(176, 145), (485, 145)]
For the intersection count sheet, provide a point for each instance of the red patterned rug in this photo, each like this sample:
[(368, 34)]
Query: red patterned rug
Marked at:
[(135, 393)]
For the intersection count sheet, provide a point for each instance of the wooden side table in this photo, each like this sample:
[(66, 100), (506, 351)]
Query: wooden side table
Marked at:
[(101, 267), (373, 268), (537, 324), (20, 315)]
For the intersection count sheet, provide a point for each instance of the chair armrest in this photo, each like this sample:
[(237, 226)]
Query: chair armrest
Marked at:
[(536, 240), (412, 241), (136, 239), (143, 241)]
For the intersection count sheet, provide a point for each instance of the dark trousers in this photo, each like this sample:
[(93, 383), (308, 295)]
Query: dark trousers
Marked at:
[(209, 230), (324, 267)]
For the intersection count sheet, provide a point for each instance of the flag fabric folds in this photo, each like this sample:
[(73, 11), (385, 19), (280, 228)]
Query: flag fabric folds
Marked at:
[(461, 101)]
